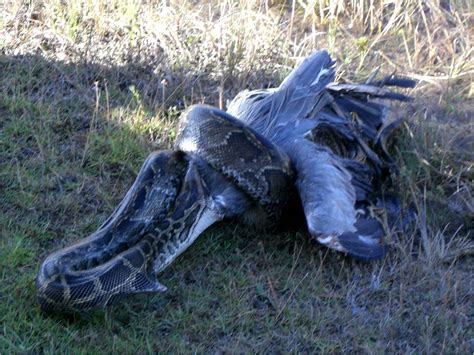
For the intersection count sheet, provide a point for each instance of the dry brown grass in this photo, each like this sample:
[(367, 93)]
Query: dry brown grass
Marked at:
[(87, 88)]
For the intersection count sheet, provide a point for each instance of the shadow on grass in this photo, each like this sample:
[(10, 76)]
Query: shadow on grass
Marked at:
[(72, 139)]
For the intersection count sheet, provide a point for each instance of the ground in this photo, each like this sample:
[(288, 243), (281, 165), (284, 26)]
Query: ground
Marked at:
[(89, 88)]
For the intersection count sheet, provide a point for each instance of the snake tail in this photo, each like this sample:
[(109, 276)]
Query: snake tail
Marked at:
[(164, 211)]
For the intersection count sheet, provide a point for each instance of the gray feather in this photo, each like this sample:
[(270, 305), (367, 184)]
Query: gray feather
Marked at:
[(325, 188), (295, 100), (347, 153)]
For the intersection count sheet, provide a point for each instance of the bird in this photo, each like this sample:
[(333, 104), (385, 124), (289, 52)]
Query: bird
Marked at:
[(321, 141)]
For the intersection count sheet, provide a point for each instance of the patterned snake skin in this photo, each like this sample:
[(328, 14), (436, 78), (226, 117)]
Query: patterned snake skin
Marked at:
[(177, 194)]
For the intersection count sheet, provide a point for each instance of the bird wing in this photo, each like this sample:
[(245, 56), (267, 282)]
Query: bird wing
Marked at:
[(335, 137)]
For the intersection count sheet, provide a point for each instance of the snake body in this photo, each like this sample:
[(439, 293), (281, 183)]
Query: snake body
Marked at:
[(323, 141), (176, 196)]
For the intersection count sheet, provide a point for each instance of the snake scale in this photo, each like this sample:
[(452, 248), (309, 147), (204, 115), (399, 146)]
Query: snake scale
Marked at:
[(323, 141), (168, 206)]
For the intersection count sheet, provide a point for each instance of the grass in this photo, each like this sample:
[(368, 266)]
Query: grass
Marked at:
[(88, 89)]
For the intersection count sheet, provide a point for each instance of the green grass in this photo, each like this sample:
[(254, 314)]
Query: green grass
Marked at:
[(88, 89)]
